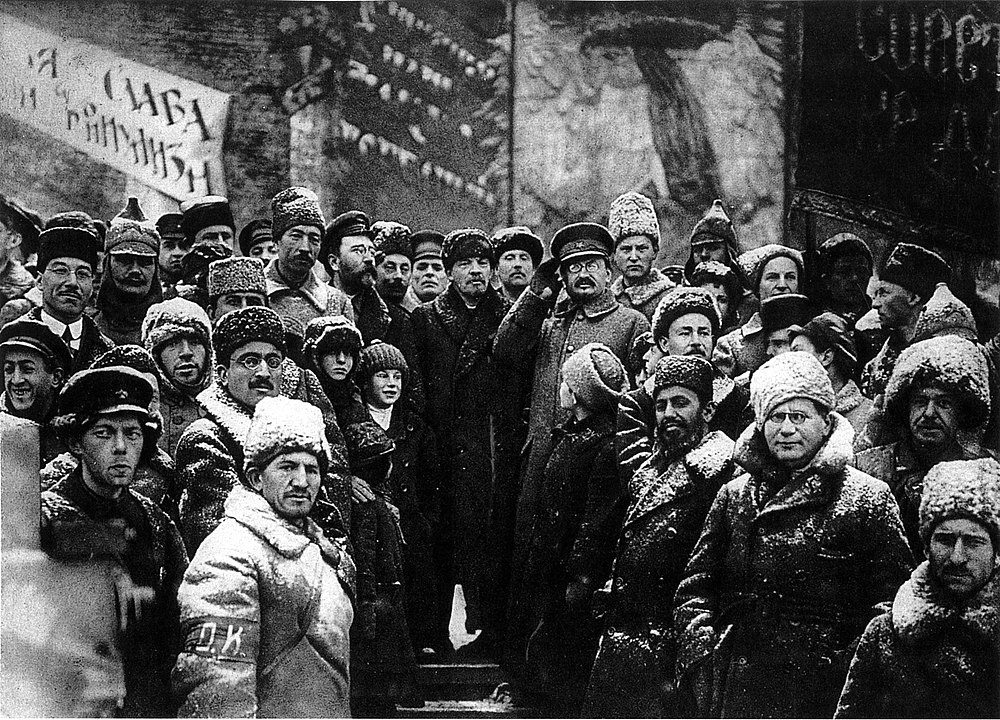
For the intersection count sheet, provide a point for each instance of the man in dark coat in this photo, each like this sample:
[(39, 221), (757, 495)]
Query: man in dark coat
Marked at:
[(542, 331), (936, 402), (935, 653), (519, 251), (454, 338), (104, 417), (794, 558), (669, 498)]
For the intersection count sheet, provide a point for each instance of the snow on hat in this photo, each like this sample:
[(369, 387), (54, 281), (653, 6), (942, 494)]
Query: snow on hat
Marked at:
[(282, 425), (786, 377), (949, 362), (466, 243), (518, 237), (694, 373), (130, 356), (204, 212), (74, 219), (366, 442), (70, 242), (295, 206), (248, 324), (945, 314), (782, 311), (633, 214), (716, 272), (637, 352), (381, 356), (130, 232), (176, 318), (962, 489), (328, 332), (753, 262), (841, 245), (681, 301), (714, 226), (236, 274), (596, 376), (915, 268), (391, 238)]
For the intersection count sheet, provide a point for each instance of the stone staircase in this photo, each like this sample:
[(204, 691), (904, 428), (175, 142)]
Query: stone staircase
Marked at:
[(462, 690)]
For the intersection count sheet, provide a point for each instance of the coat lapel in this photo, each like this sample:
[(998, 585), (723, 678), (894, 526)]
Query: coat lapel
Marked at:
[(474, 333)]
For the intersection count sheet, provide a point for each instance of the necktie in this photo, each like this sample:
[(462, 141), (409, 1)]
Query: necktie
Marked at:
[(67, 337)]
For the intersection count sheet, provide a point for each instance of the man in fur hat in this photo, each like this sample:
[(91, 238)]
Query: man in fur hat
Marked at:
[(131, 279), (393, 260), (266, 606), (636, 231), (104, 417), (209, 220), (293, 286), (178, 334), (669, 497), (794, 558), (542, 330), (518, 251), (235, 283), (936, 403), (906, 283), (934, 653)]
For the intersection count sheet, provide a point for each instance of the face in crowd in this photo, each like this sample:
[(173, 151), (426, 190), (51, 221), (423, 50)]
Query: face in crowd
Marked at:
[(185, 361), (779, 342), (514, 270), (962, 556), (266, 250), (67, 286), (384, 388), (896, 306), (132, 274), (31, 382), (718, 291), (690, 334), (429, 278), (298, 247), (934, 416), (681, 419), (715, 250), (173, 248), (471, 276), (253, 372), (634, 257), (393, 277), (847, 281), (355, 263), (586, 277), (227, 302), (215, 235), (290, 483), (338, 363), (780, 275), (109, 450), (795, 430)]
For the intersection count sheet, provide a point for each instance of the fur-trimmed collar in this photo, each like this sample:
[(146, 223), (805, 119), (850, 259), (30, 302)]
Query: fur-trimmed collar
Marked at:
[(704, 463), (603, 304), (253, 511), (651, 286), (921, 610), (472, 329), (226, 412), (316, 292), (849, 397)]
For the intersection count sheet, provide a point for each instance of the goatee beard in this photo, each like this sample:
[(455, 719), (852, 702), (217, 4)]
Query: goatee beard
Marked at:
[(671, 450)]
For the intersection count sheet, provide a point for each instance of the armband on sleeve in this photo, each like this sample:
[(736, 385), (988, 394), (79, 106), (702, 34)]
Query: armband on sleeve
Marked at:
[(222, 639)]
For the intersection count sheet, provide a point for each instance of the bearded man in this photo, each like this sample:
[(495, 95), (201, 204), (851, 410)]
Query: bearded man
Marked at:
[(670, 497)]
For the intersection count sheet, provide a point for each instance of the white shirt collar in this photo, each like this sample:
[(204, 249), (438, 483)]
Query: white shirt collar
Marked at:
[(381, 417), (58, 327)]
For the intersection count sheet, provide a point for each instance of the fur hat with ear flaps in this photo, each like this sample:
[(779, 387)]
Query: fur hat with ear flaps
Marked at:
[(282, 425)]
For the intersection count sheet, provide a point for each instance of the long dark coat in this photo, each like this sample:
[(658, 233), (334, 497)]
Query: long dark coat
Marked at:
[(785, 576), (635, 662), (928, 657), (576, 522), (454, 351)]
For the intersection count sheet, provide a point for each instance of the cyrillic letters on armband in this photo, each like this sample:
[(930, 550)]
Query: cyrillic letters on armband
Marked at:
[(222, 638)]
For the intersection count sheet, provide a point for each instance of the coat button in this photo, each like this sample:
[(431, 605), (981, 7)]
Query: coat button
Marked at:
[(742, 661), (671, 533)]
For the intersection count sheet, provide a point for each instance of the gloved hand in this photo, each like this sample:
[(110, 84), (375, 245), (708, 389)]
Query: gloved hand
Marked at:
[(546, 282), (361, 492)]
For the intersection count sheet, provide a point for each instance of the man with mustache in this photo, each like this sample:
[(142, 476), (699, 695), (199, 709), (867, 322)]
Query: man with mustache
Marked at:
[(429, 278), (267, 605), (539, 332), (131, 282), (519, 251), (67, 257), (669, 497), (934, 653), (350, 256), (178, 334), (393, 261), (293, 286), (636, 230), (209, 220), (174, 246), (937, 402), (686, 323)]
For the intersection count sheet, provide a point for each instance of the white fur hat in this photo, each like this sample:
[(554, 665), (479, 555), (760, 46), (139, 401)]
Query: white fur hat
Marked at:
[(788, 376), (283, 425)]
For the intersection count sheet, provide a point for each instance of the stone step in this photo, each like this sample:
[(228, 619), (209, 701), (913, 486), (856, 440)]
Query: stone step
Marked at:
[(466, 709), (458, 681)]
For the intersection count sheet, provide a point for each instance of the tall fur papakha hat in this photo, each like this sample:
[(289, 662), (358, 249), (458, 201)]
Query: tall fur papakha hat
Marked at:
[(381, 356), (391, 238), (295, 206), (694, 373), (633, 214), (915, 268), (71, 242), (948, 362), (786, 377), (249, 324), (682, 301), (281, 425), (131, 232), (236, 274), (596, 376), (967, 489), (466, 243), (945, 314), (714, 226)]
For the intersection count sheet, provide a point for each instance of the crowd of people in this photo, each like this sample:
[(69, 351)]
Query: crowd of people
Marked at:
[(743, 486)]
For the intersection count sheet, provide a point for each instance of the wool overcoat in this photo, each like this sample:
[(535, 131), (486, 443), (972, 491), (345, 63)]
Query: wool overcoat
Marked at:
[(265, 616), (786, 574)]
